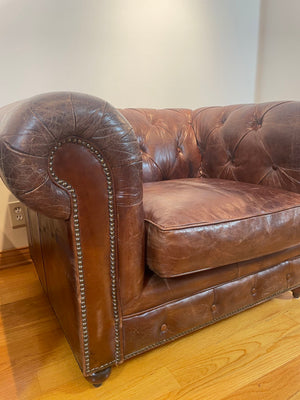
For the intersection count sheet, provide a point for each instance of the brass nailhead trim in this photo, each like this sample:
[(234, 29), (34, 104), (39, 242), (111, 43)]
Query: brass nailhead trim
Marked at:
[(211, 322), (112, 238)]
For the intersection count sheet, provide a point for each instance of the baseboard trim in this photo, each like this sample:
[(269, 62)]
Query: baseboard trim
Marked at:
[(14, 257)]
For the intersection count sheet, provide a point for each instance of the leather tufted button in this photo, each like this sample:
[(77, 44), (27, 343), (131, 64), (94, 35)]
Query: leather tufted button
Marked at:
[(163, 328), (253, 291), (213, 308), (274, 167), (256, 124), (288, 276)]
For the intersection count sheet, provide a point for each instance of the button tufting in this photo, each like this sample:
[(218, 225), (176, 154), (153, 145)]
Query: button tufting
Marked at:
[(274, 167), (213, 308), (163, 328), (288, 276), (253, 291), (256, 124), (258, 121)]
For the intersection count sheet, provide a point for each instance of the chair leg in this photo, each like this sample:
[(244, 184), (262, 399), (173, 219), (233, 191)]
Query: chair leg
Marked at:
[(97, 378), (296, 292)]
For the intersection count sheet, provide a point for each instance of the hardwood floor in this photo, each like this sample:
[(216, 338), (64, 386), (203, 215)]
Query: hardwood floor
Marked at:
[(14, 257), (255, 355)]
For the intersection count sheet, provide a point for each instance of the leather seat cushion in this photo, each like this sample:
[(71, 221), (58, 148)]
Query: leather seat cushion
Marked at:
[(198, 224)]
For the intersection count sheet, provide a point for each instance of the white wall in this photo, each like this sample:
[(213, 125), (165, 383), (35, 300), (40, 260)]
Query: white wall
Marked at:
[(278, 76), (156, 53), (143, 53)]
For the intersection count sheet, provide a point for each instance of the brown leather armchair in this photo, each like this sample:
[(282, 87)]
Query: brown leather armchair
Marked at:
[(146, 225)]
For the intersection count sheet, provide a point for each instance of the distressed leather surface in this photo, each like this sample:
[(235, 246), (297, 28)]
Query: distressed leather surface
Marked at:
[(167, 143), (168, 321), (255, 143), (246, 143), (158, 291), (30, 130), (196, 224)]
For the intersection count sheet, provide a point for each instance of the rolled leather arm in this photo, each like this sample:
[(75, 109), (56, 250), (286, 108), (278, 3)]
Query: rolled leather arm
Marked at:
[(255, 143), (30, 131), (75, 159)]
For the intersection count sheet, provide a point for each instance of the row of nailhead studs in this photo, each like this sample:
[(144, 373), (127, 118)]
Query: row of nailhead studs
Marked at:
[(79, 249), (211, 322)]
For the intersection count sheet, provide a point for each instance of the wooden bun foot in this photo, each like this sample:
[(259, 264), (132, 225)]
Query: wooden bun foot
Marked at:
[(296, 292), (97, 378)]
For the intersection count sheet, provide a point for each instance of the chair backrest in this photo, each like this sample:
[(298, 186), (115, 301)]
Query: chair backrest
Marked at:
[(167, 141), (255, 143)]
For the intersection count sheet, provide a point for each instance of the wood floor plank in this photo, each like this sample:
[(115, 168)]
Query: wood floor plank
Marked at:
[(287, 379), (15, 257), (7, 382), (123, 385), (20, 284), (255, 355), (234, 363)]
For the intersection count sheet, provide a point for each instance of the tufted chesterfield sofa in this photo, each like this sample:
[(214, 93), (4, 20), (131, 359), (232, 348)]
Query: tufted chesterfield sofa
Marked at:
[(146, 225)]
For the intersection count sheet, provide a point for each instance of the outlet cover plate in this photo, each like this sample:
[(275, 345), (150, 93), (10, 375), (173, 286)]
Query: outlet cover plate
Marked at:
[(17, 214)]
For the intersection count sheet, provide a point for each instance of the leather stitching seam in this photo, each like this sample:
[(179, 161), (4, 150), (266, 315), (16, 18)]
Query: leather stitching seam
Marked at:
[(207, 224)]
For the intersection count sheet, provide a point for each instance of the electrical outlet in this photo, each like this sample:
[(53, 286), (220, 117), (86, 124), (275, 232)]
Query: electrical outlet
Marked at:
[(17, 214)]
